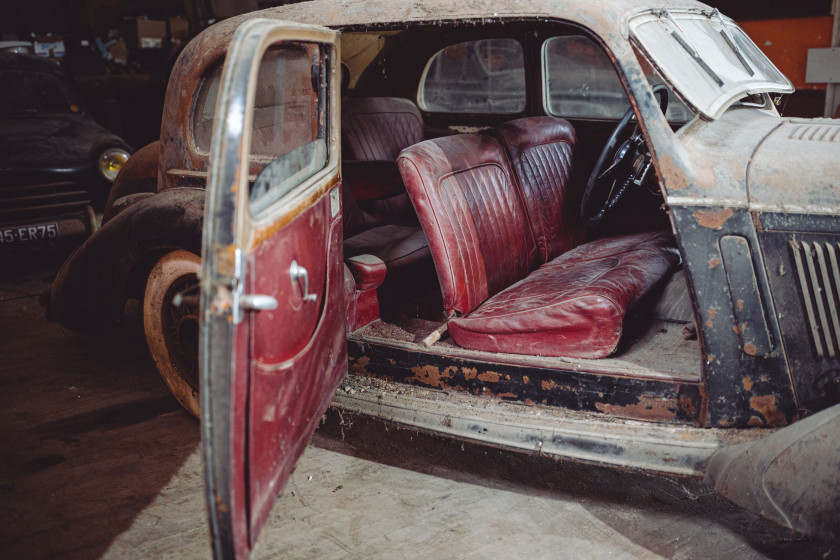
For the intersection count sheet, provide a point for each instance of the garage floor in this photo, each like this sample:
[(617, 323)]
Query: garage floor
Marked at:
[(99, 461)]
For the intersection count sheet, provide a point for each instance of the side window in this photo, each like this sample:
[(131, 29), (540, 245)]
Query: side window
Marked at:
[(288, 130), (580, 80), (484, 76)]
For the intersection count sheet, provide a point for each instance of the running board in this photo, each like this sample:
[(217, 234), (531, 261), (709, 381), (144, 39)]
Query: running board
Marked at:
[(540, 430)]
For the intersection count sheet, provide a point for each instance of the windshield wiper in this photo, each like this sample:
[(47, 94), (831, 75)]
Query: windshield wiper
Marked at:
[(730, 41), (692, 52)]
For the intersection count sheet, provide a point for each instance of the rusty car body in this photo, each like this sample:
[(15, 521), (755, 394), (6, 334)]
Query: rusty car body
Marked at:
[(360, 177)]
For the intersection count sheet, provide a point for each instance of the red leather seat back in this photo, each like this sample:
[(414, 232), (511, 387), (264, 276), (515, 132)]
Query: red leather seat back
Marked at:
[(540, 151), (378, 128), (463, 191)]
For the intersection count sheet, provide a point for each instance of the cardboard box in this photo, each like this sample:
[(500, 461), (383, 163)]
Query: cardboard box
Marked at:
[(179, 27), (151, 33)]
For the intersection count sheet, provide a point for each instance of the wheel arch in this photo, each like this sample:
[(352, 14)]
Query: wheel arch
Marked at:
[(92, 287)]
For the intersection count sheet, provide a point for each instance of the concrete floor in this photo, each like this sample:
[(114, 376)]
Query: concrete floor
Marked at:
[(99, 462)]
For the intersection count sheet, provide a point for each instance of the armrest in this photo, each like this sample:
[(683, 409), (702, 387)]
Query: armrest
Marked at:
[(368, 271)]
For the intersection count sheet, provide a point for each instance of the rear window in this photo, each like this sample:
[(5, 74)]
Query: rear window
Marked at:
[(484, 76)]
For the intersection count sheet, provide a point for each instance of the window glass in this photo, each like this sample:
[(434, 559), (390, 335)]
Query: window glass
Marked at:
[(485, 76), (581, 82), (289, 121), (34, 92)]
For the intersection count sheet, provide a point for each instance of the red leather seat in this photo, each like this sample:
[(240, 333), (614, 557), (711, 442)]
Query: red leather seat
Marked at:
[(490, 223), (378, 217)]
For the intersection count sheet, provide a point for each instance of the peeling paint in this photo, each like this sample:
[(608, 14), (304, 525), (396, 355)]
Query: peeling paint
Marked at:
[(750, 349), (765, 405), (432, 376), (748, 383), (489, 377), (713, 219)]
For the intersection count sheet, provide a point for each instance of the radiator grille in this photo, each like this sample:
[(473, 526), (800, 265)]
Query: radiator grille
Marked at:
[(819, 281), (40, 203)]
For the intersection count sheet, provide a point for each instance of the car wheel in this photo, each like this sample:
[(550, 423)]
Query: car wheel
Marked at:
[(172, 331)]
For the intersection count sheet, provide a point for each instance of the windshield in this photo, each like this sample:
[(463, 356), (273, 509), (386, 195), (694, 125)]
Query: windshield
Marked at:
[(33, 92), (709, 59)]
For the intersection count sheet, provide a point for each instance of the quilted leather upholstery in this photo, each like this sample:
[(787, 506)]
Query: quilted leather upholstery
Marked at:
[(377, 128), (463, 191), (573, 306), (540, 150)]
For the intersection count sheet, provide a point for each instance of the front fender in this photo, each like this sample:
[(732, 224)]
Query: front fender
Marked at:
[(90, 291)]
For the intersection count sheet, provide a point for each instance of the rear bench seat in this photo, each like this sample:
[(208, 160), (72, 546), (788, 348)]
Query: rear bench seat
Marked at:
[(510, 266), (380, 225)]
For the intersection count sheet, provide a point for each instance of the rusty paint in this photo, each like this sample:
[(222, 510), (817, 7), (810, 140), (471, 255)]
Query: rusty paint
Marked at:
[(736, 329), (710, 358), (675, 177), (647, 407), (431, 375), (713, 263), (765, 405), (750, 349), (712, 313), (548, 385), (740, 303), (755, 422), (359, 366), (748, 383), (713, 219), (262, 235), (469, 373), (489, 377), (525, 379)]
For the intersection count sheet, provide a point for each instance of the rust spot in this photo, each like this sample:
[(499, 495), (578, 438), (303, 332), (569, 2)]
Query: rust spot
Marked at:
[(507, 395), (714, 262), (709, 323), (489, 377), (740, 304), (646, 408), (765, 405), (359, 366), (392, 361), (713, 219), (763, 377), (431, 375), (710, 358), (735, 329), (712, 313), (748, 383), (755, 421), (675, 178), (687, 406), (469, 373), (750, 349), (525, 379), (548, 385)]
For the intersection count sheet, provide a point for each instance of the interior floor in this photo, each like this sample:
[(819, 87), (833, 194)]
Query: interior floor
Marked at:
[(657, 344)]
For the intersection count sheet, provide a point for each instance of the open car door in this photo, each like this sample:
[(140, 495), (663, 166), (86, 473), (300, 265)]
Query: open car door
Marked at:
[(273, 340)]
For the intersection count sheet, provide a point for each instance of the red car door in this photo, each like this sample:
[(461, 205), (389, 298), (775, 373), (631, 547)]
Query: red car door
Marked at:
[(272, 343)]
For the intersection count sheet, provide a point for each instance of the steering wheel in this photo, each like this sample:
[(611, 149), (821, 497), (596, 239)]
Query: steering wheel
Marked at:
[(622, 163)]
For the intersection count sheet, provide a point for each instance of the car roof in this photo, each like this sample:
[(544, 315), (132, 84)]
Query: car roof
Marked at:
[(599, 14)]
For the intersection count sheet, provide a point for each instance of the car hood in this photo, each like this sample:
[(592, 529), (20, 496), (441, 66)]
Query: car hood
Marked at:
[(751, 157), (52, 141), (797, 168)]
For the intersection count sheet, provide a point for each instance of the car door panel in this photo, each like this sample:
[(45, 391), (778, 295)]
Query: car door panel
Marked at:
[(272, 343)]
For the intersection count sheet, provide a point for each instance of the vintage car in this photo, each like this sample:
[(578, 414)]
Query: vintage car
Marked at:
[(57, 164), (577, 229)]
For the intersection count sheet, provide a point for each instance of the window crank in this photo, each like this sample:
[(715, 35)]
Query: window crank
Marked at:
[(297, 272)]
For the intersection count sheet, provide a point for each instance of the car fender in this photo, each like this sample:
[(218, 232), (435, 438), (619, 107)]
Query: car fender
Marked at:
[(92, 287), (138, 175)]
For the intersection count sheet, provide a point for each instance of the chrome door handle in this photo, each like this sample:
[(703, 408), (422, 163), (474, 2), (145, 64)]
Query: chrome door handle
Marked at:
[(297, 272), (257, 302)]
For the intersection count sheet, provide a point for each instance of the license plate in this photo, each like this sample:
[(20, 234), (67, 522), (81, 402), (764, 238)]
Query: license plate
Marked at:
[(23, 234)]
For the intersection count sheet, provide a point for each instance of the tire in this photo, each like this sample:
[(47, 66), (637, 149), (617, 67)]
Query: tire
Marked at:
[(172, 332)]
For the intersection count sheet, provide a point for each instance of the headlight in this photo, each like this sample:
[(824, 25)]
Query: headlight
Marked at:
[(111, 161)]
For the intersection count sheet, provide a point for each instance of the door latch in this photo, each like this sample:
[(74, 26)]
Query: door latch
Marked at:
[(297, 272)]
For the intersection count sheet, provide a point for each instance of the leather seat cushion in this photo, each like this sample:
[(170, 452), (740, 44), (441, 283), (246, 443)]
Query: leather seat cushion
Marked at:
[(573, 306), (377, 128)]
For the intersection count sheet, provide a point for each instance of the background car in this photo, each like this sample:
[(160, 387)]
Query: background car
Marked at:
[(57, 164)]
